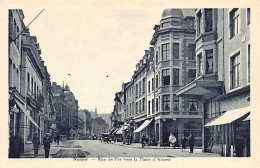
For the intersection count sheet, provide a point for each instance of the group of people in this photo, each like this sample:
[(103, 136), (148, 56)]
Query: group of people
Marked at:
[(191, 140)]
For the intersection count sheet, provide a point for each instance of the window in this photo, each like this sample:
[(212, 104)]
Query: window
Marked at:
[(140, 106), (156, 81), (175, 50), (143, 104), (149, 103), (191, 52), (28, 81), (130, 110), (193, 105), (175, 76), (175, 103), (167, 24), (136, 107), (165, 52), (156, 57), (166, 102), (248, 16), (200, 66), (149, 87), (136, 90), (153, 106), (17, 40), (192, 74), (140, 88), (156, 105), (208, 19), (209, 61), (152, 84), (248, 54), (199, 23), (234, 22), (31, 85), (235, 63), (143, 85), (166, 77)]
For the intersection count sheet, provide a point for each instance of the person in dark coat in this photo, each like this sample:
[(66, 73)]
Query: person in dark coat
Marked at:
[(191, 142), (47, 144), (143, 140), (36, 143), (239, 147), (183, 143), (16, 146), (58, 139)]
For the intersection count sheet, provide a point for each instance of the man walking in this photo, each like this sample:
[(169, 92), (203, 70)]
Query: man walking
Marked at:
[(36, 143), (191, 142), (16, 146), (47, 144), (58, 139)]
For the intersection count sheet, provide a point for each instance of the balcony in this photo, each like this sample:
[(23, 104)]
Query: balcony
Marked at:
[(179, 114), (205, 86)]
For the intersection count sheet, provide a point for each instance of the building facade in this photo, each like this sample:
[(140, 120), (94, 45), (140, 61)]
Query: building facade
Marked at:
[(174, 65), (66, 108), (30, 101), (222, 81)]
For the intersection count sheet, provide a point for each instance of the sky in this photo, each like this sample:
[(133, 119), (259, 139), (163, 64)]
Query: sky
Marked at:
[(91, 40)]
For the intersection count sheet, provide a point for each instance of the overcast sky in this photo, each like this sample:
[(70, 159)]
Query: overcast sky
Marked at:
[(92, 40)]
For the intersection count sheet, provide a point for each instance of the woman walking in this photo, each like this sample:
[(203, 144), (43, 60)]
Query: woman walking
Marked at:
[(183, 143)]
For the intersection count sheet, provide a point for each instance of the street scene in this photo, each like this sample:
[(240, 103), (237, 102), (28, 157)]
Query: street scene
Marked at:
[(172, 84)]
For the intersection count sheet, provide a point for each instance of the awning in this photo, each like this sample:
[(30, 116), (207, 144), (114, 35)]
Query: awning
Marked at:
[(111, 131), (115, 131), (120, 131), (27, 114), (229, 116), (145, 123)]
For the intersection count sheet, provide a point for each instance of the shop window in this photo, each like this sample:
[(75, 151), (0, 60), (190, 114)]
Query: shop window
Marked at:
[(234, 22), (191, 52), (175, 76), (209, 61), (193, 105), (208, 19), (175, 50), (235, 72), (175, 103), (166, 77), (165, 52), (192, 74), (166, 102)]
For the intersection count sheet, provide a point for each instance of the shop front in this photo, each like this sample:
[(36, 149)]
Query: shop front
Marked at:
[(229, 133)]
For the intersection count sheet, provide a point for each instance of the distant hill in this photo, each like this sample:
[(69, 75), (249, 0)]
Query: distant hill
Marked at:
[(105, 117)]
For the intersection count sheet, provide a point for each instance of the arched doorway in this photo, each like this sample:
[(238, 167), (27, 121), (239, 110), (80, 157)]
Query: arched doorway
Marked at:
[(169, 126)]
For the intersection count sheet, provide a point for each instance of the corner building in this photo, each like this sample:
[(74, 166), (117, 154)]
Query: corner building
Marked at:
[(174, 66), (222, 81)]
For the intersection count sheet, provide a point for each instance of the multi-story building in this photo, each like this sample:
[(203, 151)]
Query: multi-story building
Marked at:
[(30, 101), (66, 107), (222, 81), (174, 65), (99, 126)]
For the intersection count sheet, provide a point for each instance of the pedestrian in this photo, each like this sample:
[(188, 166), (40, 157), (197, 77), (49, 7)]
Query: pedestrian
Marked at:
[(47, 144), (58, 139), (172, 140), (16, 146), (143, 140), (239, 146), (191, 142), (183, 143), (36, 143)]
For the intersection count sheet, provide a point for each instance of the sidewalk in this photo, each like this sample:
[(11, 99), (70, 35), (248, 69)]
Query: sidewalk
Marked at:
[(176, 152), (41, 154)]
